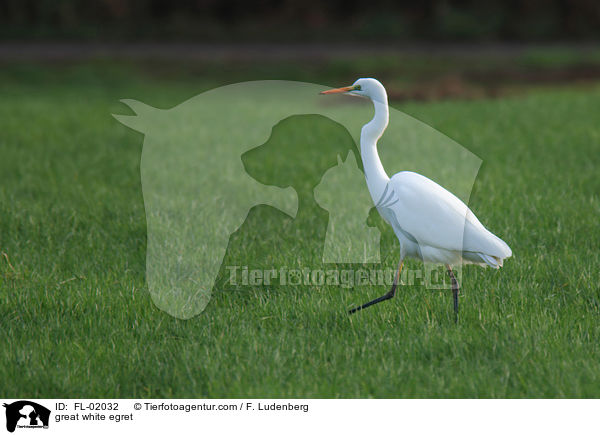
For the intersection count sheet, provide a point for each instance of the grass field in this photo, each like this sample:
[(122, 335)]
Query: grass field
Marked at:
[(77, 320)]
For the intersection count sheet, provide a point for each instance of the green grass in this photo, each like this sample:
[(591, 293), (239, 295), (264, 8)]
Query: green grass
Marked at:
[(77, 320)]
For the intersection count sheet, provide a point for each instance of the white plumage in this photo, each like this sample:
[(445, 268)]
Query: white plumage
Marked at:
[(437, 227)]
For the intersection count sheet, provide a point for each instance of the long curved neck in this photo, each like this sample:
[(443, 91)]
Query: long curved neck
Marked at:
[(376, 177)]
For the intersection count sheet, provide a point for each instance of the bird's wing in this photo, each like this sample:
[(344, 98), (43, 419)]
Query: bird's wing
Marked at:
[(435, 217)]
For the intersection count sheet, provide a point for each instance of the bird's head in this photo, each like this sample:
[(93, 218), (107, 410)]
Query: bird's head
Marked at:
[(370, 88)]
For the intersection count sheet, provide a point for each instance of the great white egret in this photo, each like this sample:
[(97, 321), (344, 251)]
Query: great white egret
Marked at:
[(431, 223)]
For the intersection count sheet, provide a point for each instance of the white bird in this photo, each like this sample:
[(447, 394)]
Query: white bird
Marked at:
[(431, 223)]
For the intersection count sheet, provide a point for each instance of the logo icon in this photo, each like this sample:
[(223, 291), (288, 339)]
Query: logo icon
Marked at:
[(26, 414)]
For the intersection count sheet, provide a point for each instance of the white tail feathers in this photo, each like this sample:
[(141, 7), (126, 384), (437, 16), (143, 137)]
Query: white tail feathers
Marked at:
[(492, 261)]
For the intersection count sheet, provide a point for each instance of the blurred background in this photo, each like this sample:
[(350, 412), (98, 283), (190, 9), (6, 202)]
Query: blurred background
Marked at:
[(422, 50), (308, 20)]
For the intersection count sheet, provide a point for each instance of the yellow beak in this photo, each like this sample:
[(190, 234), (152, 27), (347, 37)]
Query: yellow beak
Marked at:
[(338, 90)]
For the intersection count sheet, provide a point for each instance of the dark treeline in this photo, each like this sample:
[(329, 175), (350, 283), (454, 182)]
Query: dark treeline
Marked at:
[(270, 20)]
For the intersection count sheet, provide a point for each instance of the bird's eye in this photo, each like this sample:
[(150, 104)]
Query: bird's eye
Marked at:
[(357, 88)]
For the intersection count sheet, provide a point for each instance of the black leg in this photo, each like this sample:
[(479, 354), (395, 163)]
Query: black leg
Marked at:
[(454, 292), (388, 295)]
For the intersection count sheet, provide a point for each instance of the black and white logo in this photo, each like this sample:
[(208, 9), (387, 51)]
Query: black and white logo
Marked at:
[(25, 414)]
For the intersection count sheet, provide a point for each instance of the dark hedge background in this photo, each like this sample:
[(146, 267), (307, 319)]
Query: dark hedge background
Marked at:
[(307, 20)]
